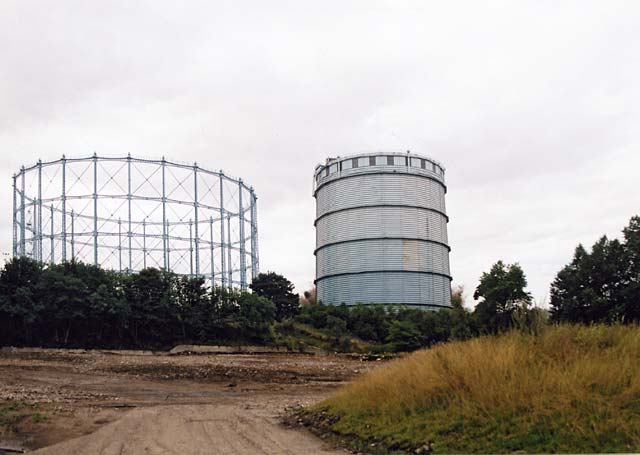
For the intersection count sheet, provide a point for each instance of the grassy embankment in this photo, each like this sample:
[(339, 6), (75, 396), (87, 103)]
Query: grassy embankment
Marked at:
[(300, 337), (570, 389)]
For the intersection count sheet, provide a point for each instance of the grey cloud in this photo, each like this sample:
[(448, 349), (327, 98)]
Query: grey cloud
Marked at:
[(532, 107)]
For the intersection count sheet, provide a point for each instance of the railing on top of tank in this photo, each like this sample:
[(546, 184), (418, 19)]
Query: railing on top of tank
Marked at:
[(336, 166)]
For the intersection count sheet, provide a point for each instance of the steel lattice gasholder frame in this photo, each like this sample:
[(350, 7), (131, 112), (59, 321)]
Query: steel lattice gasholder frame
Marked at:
[(127, 214)]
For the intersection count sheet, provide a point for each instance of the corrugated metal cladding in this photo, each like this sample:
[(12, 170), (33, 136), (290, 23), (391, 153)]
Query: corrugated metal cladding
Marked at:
[(369, 222), (391, 288), (397, 189), (382, 254), (381, 231)]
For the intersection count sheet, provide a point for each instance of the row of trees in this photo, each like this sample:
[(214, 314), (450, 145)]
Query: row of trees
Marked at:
[(598, 286), (75, 304), (601, 285)]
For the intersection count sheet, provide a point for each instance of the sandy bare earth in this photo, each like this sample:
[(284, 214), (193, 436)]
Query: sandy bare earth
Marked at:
[(194, 429), (135, 403)]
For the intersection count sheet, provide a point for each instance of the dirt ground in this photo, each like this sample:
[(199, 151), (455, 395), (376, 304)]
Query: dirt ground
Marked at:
[(125, 402)]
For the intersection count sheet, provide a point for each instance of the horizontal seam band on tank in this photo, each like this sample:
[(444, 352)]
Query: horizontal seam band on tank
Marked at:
[(402, 206), (421, 272), (399, 304), (382, 238), (342, 177)]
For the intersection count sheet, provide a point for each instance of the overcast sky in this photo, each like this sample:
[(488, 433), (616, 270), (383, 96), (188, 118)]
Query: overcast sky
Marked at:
[(532, 107)]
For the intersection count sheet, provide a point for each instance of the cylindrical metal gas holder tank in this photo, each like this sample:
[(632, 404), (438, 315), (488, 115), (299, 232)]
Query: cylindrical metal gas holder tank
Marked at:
[(381, 231)]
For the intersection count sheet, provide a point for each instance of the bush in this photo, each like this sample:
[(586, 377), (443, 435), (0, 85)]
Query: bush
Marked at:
[(404, 336)]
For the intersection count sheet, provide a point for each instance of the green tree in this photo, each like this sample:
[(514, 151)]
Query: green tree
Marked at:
[(255, 315), (192, 305), (589, 289), (501, 290), (462, 327), (280, 291), (108, 312), (630, 307), (65, 298), (20, 309), (601, 285), (221, 323), (151, 295)]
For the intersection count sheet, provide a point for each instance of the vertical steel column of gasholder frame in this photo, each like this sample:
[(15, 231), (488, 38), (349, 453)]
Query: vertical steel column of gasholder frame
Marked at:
[(39, 253), (243, 261), (230, 266), (15, 217), (52, 255), (223, 268), (164, 216), (168, 248), (73, 236), (144, 243), (255, 268), (195, 216), (95, 209), (213, 274), (190, 247), (129, 210), (119, 244), (23, 219), (64, 209), (34, 237)]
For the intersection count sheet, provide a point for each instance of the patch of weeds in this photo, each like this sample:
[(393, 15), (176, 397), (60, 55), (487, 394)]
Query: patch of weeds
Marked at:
[(14, 412), (39, 417)]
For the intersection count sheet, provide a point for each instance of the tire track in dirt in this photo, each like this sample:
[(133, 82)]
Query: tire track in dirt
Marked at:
[(195, 430)]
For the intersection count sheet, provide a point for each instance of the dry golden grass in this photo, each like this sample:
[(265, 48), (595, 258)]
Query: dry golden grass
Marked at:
[(571, 388)]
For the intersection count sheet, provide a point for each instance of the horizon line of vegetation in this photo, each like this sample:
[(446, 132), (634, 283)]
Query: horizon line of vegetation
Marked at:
[(73, 304)]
